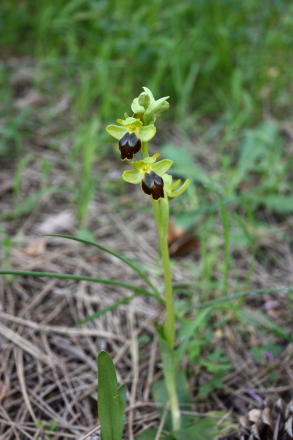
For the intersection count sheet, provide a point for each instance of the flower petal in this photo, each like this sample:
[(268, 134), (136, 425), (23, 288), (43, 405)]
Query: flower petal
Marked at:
[(129, 145), (181, 190), (167, 181), (151, 96), (145, 188), (140, 164), (163, 109), (132, 176), (162, 167), (136, 108), (151, 159), (175, 185), (146, 133), (153, 184), (158, 192), (144, 100), (131, 120), (116, 131)]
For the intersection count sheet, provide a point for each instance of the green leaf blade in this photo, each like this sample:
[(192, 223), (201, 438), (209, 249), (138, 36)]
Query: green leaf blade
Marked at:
[(110, 403), (115, 254)]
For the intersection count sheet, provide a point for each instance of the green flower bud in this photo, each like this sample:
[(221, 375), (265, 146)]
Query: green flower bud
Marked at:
[(144, 100), (136, 107), (163, 109), (156, 109)]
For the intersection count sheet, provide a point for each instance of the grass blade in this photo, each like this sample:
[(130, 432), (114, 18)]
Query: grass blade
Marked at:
[(218, 301), (109, 251), (227, 246), (80, 278), (107, 309), (259, 318)]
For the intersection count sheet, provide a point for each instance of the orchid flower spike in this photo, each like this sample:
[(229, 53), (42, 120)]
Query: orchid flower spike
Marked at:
[(147, 108), (149, 174), (131, 134)]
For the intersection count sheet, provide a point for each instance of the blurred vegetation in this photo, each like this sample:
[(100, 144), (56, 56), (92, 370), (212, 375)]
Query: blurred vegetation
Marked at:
[(213, 57)]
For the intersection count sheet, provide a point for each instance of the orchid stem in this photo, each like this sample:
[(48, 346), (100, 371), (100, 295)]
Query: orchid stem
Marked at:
[(161, 212), (145, 149), (170, 316)]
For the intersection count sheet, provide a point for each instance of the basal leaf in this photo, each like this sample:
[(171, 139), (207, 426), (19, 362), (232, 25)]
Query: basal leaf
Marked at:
[(110, 403)]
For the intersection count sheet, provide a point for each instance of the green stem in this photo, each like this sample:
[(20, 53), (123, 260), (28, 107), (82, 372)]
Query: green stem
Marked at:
[(145, 149), (170, 316), (169, 327), (174, 404), (161, 212), (170, 369), (162, 220), (157, 213)]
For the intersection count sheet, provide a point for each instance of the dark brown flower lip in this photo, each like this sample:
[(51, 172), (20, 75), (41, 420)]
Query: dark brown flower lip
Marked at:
[(129, 145), (153, 185)]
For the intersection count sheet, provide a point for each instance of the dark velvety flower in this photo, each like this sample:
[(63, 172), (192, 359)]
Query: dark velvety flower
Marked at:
[(129, 145), (149, 174), (152, 184), (131, 134)]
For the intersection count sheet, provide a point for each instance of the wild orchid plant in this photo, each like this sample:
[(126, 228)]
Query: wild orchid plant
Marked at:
[(134, 134)]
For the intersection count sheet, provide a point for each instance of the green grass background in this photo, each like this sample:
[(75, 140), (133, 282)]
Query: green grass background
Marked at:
[(213, 57), (225, 65)]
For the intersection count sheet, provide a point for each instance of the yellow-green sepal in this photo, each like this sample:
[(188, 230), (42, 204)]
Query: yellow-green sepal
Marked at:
[(159, 168), (147, 132), (175, 185), (164, 107), (168, 181), (144, 100), (182, 189), (162, 167), (140, 164), (116, 131), (136, 107), (150, 95), (132, 176), (169, 187), (130, 121)]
